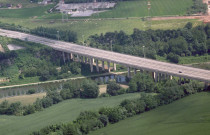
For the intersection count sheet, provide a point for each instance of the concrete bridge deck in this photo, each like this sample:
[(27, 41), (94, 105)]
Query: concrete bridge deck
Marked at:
[(123, 59)]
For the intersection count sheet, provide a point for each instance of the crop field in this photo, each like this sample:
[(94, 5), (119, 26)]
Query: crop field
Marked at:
[(65, 111), (188, 116), (139, 8)]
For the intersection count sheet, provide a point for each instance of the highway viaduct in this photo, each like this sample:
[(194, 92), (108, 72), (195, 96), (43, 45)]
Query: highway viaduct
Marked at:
[(90, 56)]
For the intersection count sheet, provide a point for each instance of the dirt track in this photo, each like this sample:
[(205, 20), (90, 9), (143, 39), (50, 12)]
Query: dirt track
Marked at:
[(204, 18)]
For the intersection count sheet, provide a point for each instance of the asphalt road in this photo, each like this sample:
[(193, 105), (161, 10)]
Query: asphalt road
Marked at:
[(123, 59)]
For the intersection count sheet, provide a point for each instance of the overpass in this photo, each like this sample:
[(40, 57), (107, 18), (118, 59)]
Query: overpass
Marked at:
[(88, 55)]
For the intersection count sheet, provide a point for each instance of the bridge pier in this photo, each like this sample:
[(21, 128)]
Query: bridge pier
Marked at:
[(64, 59), (97, 67), (108, 63), (114, 66), (68, 57), (134, 71), (91, 64), (103, 65), (129, 72), (85, 60)]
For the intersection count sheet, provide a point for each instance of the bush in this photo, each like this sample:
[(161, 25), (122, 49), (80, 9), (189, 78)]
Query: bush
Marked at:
[(113, 88), (31, 91), (89, 89), (173, 58), (114, 114)]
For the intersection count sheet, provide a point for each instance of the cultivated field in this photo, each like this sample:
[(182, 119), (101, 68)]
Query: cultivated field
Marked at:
[(65, 111), (188, 116)]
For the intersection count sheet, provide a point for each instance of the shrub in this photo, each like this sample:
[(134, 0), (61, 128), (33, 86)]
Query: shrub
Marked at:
[(89, 89)]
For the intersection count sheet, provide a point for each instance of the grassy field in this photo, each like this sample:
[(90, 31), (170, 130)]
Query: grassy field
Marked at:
[(65, 111), (139, 8), (25, 3), (188, 116), (91, 27), (24, 99), (25, 12)]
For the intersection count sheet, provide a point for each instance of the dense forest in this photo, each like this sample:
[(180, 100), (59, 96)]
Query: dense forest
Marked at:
[(187, 41)]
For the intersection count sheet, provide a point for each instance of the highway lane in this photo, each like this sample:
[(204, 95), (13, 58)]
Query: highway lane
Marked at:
[(127, 60)]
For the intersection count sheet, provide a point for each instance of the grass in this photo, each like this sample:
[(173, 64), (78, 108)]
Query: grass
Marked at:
[(25, 12), (91, 27), (139, 8), (188, 116), (65, 111), (194, 59), (24, 99), (25, 3)]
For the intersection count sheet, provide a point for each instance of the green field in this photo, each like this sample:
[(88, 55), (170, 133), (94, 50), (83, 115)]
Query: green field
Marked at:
[(188, 116), (65, 111), (139, 8), (25, 12), (91, 27), (25, 3)]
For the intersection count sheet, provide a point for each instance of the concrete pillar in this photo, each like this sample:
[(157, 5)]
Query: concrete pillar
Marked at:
[(129, 72), (159, 77), (78, 59), (81, 59), (155, 76), (108, 63), (97, 67), (180, 79), (171, 77), (93, 60), (71, 56), (134, 71), (114, 66), (85, 60), (103, 65), (91, 64), (68, 56), (64, 59)]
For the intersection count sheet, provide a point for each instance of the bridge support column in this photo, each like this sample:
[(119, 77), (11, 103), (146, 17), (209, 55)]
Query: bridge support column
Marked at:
[(64, 59), (114, 66), (78, 59), (171, 77), (103, 65), (134, 71), (71, 56), (108, 63), (155, 76), (68, 56), (81, 59), (159, 77), (97, 67), (129, 72), (85, 60), (91, 64), (93, 60)]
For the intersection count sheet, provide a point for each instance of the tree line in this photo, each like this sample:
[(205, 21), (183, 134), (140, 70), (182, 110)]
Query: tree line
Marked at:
[(92, 120), (198, 7), (172, 44), (87, 89), (65, 35)]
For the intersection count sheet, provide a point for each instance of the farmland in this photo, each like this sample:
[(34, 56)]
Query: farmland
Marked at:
[(188, 116)]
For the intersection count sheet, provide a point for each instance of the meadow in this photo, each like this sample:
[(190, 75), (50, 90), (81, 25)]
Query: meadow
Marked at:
[(89, 27), (25, 3), (188, 116), (65, 111), (139, 8)]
